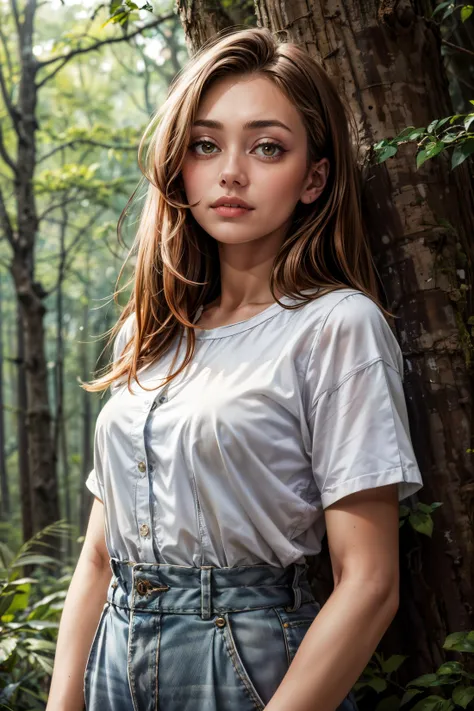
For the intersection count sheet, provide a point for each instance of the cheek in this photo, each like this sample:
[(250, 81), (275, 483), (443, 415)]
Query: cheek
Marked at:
[(283, 188), (192, 178)]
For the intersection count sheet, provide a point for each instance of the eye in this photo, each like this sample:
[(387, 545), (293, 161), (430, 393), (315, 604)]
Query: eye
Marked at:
[(192, 147), (271, 144), (265, 144)]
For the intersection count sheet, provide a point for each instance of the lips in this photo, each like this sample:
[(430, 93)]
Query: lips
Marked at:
[(232, 202)]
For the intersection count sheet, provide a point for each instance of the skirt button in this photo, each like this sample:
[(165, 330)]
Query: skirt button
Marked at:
[(220, 622)]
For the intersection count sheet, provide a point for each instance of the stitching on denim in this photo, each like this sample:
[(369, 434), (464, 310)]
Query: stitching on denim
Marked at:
[(96, 635), (130, 674), (287, 647), (242, 672), (157, 661)]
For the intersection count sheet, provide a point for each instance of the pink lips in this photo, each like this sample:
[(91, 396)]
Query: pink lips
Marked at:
[(236, 211)]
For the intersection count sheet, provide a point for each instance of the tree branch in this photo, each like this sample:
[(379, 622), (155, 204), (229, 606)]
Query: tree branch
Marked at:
[(8, 58), (5, 155), (457, 48), (5, 222), (19, 28), (89, 142), (69, 249), (12, 110), (55, 206), (65, 58)]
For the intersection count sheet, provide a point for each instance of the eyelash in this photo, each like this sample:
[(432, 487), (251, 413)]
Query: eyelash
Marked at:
[(264, 143)]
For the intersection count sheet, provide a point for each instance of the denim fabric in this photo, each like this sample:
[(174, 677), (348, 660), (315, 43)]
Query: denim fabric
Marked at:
[(186, 638)]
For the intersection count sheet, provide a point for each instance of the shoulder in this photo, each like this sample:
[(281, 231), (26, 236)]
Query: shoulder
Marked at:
[(351, 312), (353, 333)]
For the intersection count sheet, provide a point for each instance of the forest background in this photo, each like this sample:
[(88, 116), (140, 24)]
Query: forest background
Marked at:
[(79, 82)]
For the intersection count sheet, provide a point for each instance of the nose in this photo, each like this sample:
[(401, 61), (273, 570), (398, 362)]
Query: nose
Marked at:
[(232, 173)]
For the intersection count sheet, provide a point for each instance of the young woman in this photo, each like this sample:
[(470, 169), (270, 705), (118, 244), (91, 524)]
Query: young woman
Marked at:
[(257, 402)]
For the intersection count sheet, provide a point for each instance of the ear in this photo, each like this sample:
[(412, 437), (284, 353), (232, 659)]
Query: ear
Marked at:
[(315, 181)]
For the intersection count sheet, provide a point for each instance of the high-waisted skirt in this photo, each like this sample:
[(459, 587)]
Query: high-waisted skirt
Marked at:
[(183, 638)]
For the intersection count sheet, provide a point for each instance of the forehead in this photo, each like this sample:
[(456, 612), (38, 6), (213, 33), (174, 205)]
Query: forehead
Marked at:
[(235, 100)]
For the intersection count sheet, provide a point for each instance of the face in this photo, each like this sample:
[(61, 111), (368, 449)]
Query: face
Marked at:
[(263, 164)]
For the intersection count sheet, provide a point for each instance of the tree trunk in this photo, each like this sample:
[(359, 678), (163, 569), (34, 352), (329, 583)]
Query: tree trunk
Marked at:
[(87, 450), (23, 465), (4, 488), (419, 223)]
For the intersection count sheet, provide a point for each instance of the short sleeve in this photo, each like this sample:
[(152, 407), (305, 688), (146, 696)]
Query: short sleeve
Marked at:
[(93, 485), (357, 414)]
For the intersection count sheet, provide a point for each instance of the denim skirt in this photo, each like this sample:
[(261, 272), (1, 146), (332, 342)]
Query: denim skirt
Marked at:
[(186, 638)]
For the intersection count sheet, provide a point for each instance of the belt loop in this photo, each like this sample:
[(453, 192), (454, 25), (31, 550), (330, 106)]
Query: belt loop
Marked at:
[(299, 568), (206, 603)]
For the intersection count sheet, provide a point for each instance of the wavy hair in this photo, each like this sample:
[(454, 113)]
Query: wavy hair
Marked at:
[(177, 264)]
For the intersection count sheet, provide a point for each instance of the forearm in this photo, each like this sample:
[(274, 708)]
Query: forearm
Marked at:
[(335, 650), (85, 599)]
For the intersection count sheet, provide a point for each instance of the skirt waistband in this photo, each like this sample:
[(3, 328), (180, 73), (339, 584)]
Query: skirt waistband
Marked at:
[(207, 590)]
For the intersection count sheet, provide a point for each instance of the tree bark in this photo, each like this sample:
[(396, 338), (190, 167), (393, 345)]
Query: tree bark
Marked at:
[(4, 487), (385, 58), (22, 434)]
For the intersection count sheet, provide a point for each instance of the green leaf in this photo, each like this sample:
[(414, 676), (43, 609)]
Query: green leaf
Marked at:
[(431, 150), (389, 703), (377, 684), (466, 12), (409, 695), (460, 642), (463, 695), (449, 668), (432, 126), (33, 559), (393, 663), (461, 152), (425, 680), (386, 153), (421, 522), (440, 7), (7, 647), (430, 703)]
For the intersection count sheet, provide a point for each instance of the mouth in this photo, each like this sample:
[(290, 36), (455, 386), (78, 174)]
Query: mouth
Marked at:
[(232, 210)]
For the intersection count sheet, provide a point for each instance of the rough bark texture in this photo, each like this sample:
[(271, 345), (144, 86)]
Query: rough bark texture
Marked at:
[(202, 19), (385, 58)]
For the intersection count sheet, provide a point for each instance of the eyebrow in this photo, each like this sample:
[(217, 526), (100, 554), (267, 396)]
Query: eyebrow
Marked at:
[(261, 123)]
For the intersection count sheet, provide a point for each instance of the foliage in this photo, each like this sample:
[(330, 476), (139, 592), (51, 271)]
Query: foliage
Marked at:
[(30, 608), (453, 685), (433, 140), (450, 7), (419, 517)]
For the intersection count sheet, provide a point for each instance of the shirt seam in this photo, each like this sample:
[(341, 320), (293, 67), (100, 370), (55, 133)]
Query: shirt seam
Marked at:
[(354, 371), (243, 330), (318, 335)]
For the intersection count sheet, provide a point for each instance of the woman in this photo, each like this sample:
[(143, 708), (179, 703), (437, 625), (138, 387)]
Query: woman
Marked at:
[(284, 418)]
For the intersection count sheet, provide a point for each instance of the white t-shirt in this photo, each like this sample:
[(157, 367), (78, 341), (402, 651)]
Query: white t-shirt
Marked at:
[(276, 418)]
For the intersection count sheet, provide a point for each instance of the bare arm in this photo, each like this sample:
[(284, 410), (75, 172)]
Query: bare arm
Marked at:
[(363, 542), (85, 599)]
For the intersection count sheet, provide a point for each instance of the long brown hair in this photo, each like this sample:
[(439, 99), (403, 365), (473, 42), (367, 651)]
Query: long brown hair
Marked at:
[(177, 263)]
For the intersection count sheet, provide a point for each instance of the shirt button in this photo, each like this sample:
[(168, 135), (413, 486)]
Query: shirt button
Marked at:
[(163, 398), (144, 530), (142, 466)]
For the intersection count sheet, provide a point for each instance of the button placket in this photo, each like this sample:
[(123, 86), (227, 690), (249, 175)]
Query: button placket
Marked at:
[(145, 508)]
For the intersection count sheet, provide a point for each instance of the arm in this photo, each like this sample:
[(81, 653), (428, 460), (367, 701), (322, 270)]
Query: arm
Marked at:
[(363, 535), (85, 599)]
